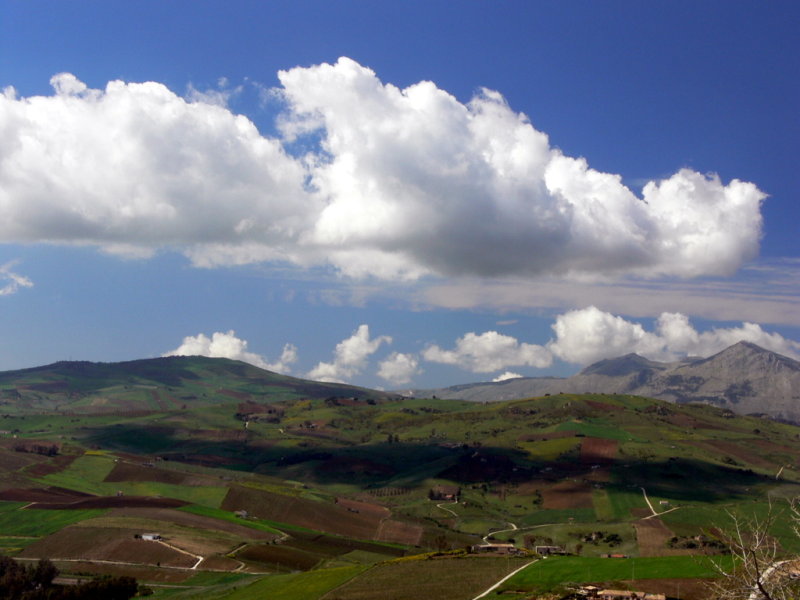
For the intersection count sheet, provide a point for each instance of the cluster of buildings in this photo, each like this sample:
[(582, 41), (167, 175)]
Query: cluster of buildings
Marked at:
[(596, 593)]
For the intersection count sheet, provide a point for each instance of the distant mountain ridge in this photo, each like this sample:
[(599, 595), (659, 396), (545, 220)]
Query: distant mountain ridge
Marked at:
[(743, 378)]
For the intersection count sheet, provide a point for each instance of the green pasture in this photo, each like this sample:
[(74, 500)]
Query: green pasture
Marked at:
[(603, 509), (86, 474), (547, 450), (622, 500), (598, 428), (355, 557), (569, 536), (296, 586), (10, 545), (224, 515), (557, 515), (691, 519), (555, 572), (445, 578), (37, 522)]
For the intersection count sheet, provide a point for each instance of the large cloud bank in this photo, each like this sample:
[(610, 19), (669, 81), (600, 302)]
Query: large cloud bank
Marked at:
[(587, 335), (405, 182)]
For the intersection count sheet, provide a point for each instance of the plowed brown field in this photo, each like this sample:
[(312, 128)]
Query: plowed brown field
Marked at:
[(97, 543), (567, 494), (321, 516), (598, 450), (126, 471), (112, 502), (652, 536), (400, 533), (185, 519)]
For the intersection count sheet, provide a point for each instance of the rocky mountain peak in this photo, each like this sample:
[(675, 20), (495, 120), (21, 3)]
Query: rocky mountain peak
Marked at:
[(622, 365)]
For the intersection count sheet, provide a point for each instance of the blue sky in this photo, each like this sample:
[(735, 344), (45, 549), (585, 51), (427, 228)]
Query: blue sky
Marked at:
[(398, 194)]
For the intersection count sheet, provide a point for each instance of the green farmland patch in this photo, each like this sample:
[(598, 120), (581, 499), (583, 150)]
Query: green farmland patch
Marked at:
[(296, 586), (84, 474), (37, 522), (622, 500), (224, 515), (87, 474), (550, 449), (597, 428), (558, 515), (555, 572)]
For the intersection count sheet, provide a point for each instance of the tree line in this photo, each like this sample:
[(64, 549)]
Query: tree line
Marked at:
[(36, 582)]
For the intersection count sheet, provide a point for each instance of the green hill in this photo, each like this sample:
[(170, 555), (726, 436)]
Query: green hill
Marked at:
[(264, 484), (153, 384)]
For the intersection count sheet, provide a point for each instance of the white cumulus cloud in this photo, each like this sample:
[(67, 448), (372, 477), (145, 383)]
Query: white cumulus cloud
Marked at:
[(587, 335), (399, 368), (506, 376), (489, 351), (405, 182), (134, 168), (416, 181), (227, 345), (349, 357)]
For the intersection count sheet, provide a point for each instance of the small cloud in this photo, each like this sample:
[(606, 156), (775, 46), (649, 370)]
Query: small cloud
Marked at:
[(349, 357), (227, 345), (399, 368), (216, 97), (12, 281), (506, 376), (489, 351), (288, 357)]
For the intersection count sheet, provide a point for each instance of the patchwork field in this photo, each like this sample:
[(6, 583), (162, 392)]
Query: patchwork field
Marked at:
[(106, 544), (339, 493)]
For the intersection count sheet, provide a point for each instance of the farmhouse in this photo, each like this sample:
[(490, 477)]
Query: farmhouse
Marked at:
[(548, 550), (628, 595), (151, 537), (445, 492), (495, 548)]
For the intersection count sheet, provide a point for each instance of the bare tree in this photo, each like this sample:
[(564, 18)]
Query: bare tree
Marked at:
[(761, 569)]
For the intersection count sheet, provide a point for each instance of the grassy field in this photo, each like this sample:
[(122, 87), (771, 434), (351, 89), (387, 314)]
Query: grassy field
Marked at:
[(296, 586), (556, 572), (225, 515), (36, 523), (546, 517), (88, 473), (445, 579), (622, 500)]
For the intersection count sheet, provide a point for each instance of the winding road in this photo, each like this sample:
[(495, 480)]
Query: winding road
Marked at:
[(503, 580)]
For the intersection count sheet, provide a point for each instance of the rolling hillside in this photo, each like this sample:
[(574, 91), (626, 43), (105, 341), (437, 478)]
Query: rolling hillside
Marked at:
[(155, 384), (260, 485)]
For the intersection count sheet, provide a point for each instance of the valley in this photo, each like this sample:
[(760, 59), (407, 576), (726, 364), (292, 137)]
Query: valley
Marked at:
[(210, 478)]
